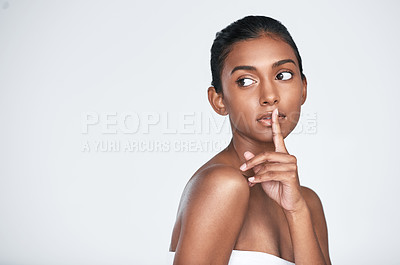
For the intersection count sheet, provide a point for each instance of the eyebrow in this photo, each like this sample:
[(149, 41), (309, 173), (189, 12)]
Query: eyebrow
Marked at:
[(252, 68)]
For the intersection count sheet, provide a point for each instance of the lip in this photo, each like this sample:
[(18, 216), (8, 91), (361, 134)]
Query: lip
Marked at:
[(266, 118), (268, 114)]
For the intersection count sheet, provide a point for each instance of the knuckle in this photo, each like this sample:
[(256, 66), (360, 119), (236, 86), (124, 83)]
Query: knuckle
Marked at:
[(294, 159), (270, 174), (293, 175), (276, 134), (263, 176)]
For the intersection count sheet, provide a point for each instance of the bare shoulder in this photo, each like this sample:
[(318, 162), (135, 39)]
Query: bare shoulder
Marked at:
[(214, 204), (318, 218), (221, 178), (312, 198), (315, 205)]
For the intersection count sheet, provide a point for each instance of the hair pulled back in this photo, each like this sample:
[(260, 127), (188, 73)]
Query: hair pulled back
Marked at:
[(249, 27)]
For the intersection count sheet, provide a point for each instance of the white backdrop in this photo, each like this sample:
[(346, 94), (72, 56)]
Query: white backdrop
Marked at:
[(104, 117)]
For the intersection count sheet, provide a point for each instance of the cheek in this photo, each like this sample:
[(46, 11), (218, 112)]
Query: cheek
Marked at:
[(242, 113), (292, 105), (292, 120)]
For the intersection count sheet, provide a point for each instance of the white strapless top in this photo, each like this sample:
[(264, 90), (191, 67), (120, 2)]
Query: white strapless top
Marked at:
[(245, 257)]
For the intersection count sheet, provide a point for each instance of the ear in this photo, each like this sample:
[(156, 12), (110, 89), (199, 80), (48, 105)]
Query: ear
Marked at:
[(216, 101), (304, 91)]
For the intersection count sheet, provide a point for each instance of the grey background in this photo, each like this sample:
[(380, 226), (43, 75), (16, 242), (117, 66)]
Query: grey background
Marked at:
[(64, 61)]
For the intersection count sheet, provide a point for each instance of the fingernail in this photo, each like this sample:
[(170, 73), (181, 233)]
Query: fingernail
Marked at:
[(243, 167), (247, 154), (251, 179)]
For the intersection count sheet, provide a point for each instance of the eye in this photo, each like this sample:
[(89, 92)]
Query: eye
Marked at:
[(284, 76), (244, 82)]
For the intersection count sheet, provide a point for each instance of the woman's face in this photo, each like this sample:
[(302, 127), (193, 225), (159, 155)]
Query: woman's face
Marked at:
[(258, 76)]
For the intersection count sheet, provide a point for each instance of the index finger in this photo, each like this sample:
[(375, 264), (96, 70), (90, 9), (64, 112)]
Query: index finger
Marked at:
[(277, 136)]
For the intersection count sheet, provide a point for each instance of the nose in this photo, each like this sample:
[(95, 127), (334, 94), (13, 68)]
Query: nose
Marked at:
[(268, 94)]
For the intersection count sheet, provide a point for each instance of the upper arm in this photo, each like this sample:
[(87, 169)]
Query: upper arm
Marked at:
[(213, 215), (318, 219)]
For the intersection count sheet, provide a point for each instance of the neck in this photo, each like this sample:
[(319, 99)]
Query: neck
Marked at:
[(240, 144)]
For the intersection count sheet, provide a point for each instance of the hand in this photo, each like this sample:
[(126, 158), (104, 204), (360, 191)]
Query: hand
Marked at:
[(276, 171)]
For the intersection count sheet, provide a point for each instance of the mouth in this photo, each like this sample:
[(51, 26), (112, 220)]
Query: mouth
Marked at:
[(266, 118)]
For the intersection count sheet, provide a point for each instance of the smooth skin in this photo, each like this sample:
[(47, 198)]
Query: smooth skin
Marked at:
[(248, 196)]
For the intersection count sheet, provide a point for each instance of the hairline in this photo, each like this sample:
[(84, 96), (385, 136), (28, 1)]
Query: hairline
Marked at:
[(260, 34)]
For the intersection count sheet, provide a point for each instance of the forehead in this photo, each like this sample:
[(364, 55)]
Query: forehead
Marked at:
[(261, 52)]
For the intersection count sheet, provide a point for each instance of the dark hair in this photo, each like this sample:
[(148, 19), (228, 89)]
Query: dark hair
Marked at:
[(242, 29)]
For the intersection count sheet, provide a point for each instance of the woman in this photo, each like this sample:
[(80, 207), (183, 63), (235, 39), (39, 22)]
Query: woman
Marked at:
[(245, 205)]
